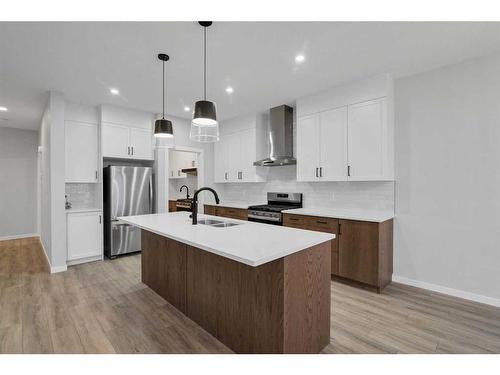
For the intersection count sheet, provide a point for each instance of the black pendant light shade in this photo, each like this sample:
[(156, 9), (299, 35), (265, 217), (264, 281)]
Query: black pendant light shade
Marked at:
[(205, 113), (163, 127)]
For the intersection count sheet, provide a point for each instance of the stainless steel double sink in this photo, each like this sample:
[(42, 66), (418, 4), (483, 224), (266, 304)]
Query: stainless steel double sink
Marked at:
[(217, 223)]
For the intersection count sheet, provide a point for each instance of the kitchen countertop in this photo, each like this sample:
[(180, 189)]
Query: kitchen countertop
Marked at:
[(249, 243), (338, 213), (80, 209)]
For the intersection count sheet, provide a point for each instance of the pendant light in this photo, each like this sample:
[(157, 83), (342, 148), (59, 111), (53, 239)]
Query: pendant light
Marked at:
[(163, 127), (204, 126)]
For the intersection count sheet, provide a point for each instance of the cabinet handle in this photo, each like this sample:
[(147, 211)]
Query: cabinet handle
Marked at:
[(178, 172), (128, 150), (340, 229), (192, 163), (96, 175), (100, 221), (317, 172), (132, 150), (240, 175), (348, 170), (321, 222), (293, 219), (225, 176), (320, 171)]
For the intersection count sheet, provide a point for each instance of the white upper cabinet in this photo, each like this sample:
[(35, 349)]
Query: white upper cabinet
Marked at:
[(121, 141), (115, 141), (141, 143), (322, 146), (126, 134), (308, 148), (221, 163), (179, 160), (346, 134), (367, 140), (81, 152), (333, 145), (236, 151)]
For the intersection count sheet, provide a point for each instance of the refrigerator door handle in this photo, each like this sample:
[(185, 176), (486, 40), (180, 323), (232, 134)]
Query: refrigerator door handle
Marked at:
[(150, 194)]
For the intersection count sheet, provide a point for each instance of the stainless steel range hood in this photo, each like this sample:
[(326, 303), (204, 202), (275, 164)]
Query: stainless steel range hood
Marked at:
[(280, 138)]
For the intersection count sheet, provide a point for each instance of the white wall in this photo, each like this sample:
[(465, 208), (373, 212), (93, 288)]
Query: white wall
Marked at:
[(52, 188), (18, 187), (44, 197), (447, 228)]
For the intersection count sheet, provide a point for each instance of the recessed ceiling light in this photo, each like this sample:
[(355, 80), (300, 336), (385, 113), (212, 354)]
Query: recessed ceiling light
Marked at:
[(4, 109), (114, 91), (187, 109), (300, 58), (229, 89)]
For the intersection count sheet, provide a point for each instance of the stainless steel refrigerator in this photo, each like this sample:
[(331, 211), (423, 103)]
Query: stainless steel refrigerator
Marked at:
[(128, 191)]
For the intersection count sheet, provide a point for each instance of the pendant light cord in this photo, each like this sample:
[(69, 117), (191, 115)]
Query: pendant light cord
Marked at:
[(205, 63), (163, 90)]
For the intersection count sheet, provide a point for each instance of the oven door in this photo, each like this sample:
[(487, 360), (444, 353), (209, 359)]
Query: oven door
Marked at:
[(264, 220)]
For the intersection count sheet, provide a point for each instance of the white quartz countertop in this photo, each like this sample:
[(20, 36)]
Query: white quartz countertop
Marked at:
[(249, 243), (361, 215)]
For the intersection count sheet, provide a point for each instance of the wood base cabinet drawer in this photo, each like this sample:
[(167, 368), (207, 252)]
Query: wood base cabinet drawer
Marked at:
[(229, 212), (316, 223)]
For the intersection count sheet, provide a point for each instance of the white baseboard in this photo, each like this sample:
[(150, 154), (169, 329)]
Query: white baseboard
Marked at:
[(46, 256), (58, 269), (449, 291), (18, 236), (84, 260)]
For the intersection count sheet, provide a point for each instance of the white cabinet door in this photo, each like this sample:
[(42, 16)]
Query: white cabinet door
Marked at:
[(84, 235), (247, 171), (308, 148), (367, 140), (333, 145), (233, 157), (81, 152), (115, 141), (141, 144), (220, 160)]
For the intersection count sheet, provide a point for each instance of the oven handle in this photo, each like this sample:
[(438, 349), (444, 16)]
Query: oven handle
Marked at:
[(264, 219)]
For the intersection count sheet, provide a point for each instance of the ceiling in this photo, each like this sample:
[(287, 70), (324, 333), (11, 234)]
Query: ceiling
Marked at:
[(84, 60)]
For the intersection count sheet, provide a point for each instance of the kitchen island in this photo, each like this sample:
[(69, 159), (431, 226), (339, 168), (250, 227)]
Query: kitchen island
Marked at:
[(258, 288)]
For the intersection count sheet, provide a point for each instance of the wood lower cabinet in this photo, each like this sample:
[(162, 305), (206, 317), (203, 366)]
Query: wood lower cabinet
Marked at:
[(229, 212), (172, 206), (282, 306), (361, 251), (365, 252)]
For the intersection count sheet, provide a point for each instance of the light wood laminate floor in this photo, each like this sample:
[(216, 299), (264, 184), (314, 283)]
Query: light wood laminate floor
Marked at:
[(102, 307)]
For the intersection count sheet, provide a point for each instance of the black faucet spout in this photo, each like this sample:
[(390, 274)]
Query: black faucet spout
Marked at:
[(187, 191), (194, 212)]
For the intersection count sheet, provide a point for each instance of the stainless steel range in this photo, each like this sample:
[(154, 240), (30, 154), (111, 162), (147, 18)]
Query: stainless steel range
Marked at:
[(270, 213)]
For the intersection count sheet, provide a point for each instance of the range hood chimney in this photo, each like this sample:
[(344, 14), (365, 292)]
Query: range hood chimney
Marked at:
[(280, 138)]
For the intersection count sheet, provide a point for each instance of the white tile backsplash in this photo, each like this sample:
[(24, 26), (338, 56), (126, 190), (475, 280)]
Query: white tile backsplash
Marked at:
[(175, 184), (83, 195), (373, 195)]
